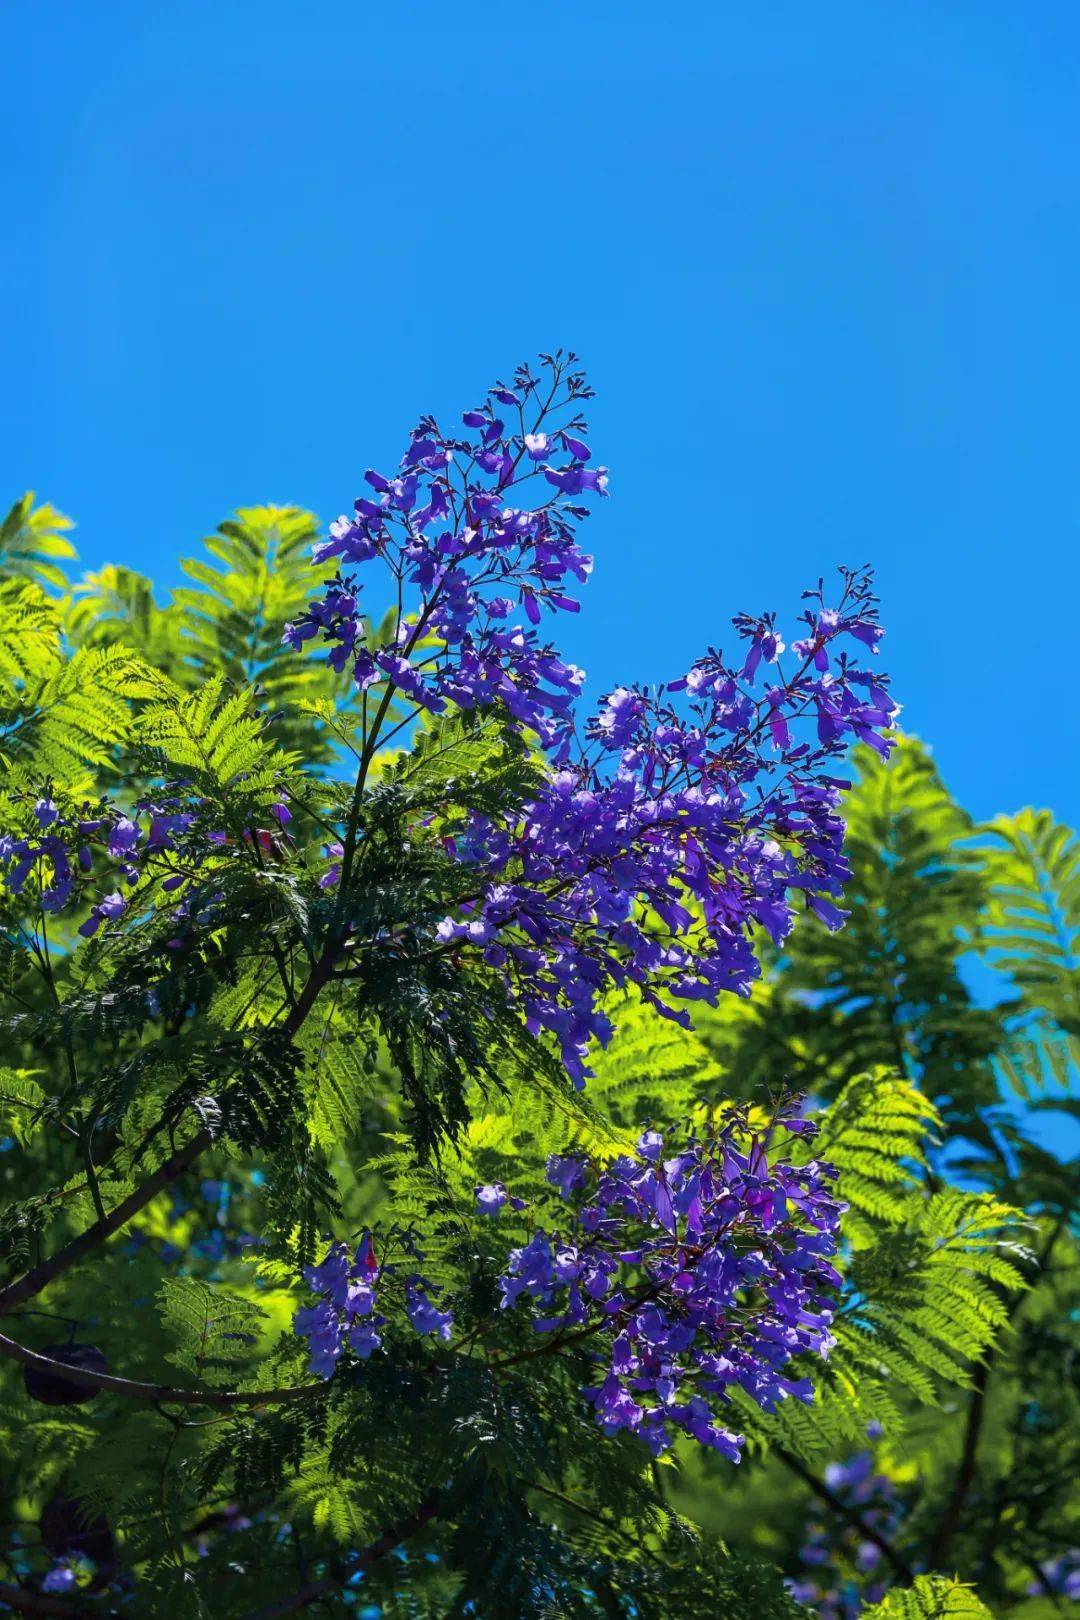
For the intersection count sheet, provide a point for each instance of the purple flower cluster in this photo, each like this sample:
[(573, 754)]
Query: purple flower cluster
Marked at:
[(693, 1275), (686, 822), (464, 558), (58, 856), (56, 850), (345, 1311), (1059, 1576), (841, 1569), (677, 819)]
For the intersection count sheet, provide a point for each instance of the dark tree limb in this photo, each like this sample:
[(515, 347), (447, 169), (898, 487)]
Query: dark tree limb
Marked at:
[(949, 1522), (847, 1513), (24, 1601), (163, 1394), (966, 1468), (39, 1276), (391, 1537)]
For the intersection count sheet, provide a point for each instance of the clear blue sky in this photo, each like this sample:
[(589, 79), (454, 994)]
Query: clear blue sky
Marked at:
[(822, 261)]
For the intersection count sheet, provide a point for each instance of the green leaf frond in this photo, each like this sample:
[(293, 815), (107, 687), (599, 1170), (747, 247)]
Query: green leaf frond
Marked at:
[(932, 1597), (214, 739), (1031, 932), (33, 542)]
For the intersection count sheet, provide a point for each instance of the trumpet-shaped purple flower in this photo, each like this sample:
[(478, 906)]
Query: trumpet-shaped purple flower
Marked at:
[(63, 1577), (320, 1324), (691, 1275), (108, 910), (490, 1198), (423, 1314)]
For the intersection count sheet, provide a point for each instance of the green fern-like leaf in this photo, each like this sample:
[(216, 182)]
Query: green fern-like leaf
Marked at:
[(923, 1285), (887, 988), (61, 714), (118, 604), (1031, 931), (212, 1329), (876, 1134), (214, 739), (932, 1597), (258, 577), (33, 539), (21, 1103)]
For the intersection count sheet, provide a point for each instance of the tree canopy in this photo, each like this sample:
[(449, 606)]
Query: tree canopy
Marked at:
[(464, 1156)]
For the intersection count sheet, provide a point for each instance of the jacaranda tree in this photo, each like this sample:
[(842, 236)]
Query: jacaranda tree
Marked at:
[(982, 1481), (393, 1212)]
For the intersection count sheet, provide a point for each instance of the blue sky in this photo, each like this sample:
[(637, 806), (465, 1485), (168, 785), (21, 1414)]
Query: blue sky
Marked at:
[(821, 262)]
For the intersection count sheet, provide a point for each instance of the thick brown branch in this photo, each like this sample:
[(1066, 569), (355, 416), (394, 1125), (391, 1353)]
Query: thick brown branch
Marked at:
[(965, 1473), (163, 1394), (949, 1522), (39, 1276)]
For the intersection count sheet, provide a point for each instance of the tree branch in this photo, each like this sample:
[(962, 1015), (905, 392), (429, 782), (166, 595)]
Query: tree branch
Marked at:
[(27, 1602), (392, 1537), (949, 1522), (965, 1473), (39, 1276), (166, 1394), (849, 1514)]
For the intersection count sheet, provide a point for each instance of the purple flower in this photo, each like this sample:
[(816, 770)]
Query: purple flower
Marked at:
[(615, 1406), (490, 1198), (319, 1324), (108, 910), (332, 876), (531, 1270), (123, 837), (567, 1172), (424, 1316), (832, 916), (364, 1336), (61, 1578)]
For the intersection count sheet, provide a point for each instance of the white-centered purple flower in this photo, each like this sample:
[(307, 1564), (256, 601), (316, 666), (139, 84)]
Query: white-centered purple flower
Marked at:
[(490, 1197)]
